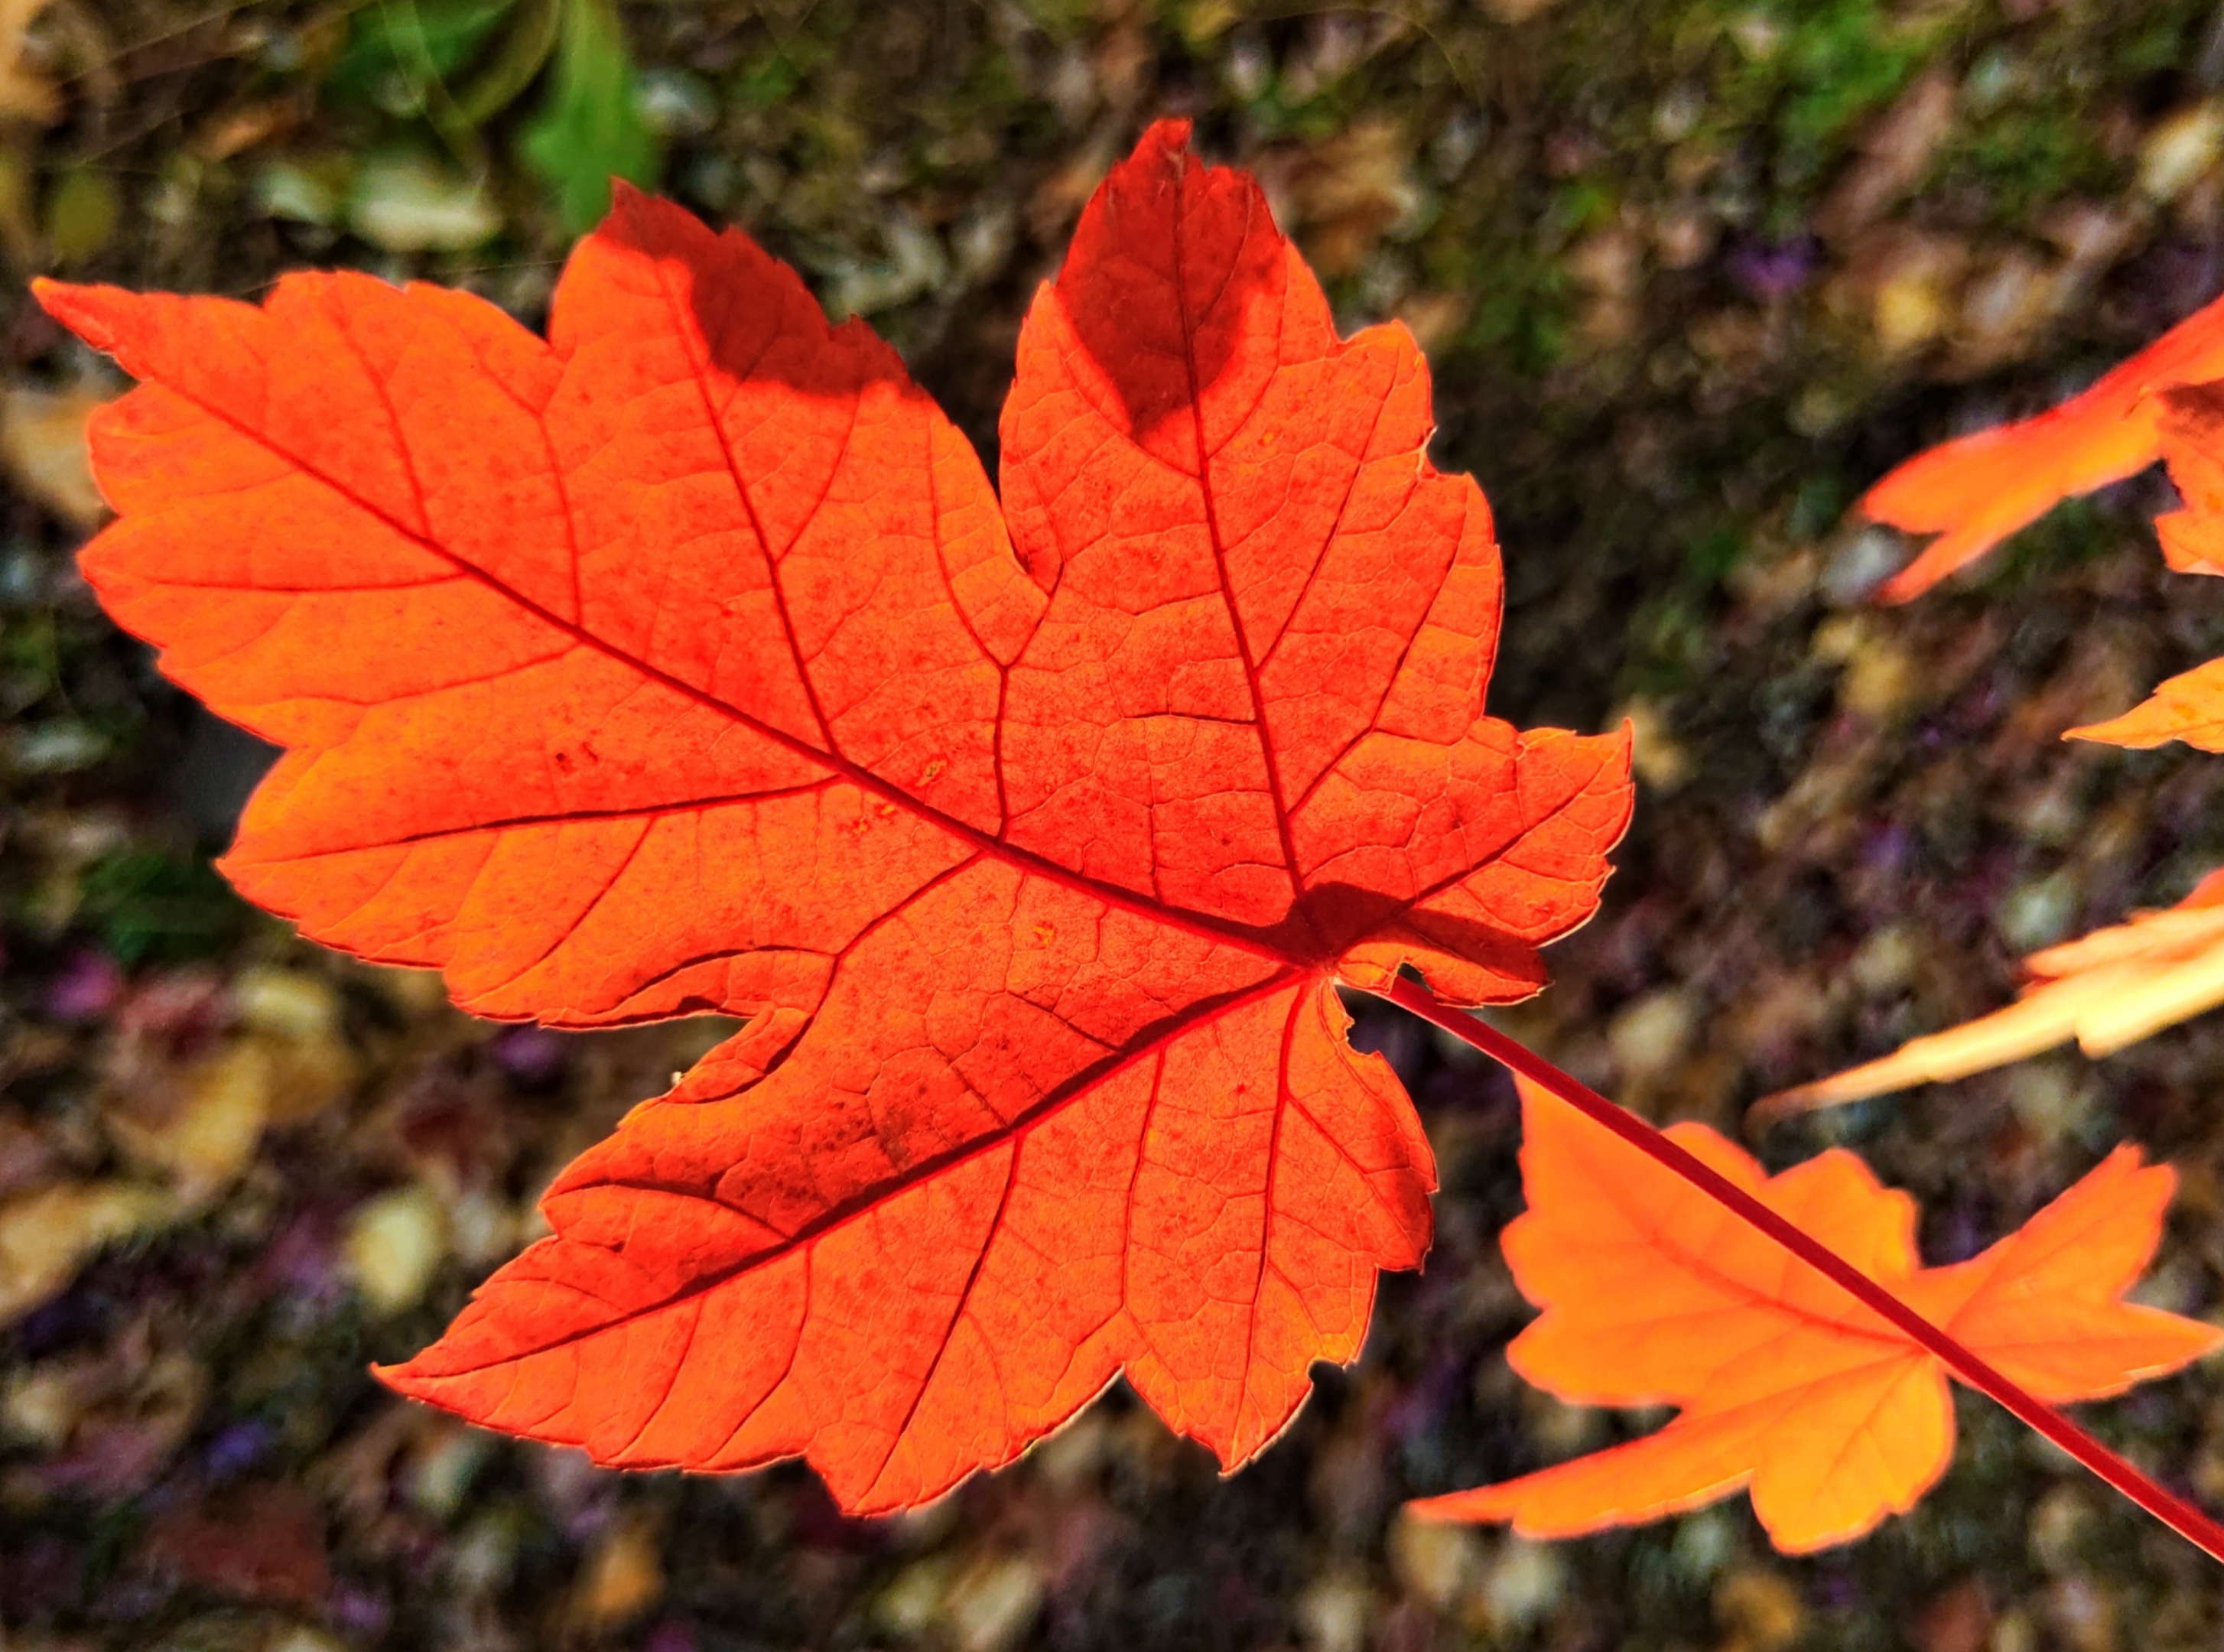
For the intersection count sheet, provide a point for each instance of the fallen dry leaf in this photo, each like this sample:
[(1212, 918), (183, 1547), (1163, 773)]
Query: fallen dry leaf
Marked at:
[(47, 1235), (1895, 152), (43, 447), (260, 1542), (1345, 194), (25, 94)]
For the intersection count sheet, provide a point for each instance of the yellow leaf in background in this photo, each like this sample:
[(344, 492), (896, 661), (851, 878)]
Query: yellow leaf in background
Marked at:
[(198, 1122), (394, 1244), (2106, 990), (43, 447), (24, 94), (47, 1235), (207, 1132)]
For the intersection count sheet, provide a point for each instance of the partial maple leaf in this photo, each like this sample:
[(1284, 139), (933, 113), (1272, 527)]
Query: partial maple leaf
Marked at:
[(687, 660), (2122, 984), (2106, 990), (2189, 706), (1975, 491), (1788, 1387)]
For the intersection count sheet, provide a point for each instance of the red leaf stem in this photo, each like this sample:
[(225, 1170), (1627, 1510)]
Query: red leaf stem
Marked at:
[(2179, 1516)]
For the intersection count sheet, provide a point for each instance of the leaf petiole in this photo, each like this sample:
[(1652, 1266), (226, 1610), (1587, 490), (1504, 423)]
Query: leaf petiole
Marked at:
[(2179, 1516)]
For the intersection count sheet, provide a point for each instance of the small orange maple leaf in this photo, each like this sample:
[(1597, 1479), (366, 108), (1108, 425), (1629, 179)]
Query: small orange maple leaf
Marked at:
[(1788, 1387)]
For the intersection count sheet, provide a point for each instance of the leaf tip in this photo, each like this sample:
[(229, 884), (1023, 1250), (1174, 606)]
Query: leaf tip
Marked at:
[(1454, 1509), (1166, 134), (408, 1379), (74, 306)]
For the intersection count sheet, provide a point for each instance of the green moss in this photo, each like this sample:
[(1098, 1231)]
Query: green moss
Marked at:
[(30, 643), (1807, 73), (2075, 531), (765, 79), (393, 48), (83, 211), (1668, 640), (589, 129), (1712, 555), (2023, 158), (1843, 60), (1062, 20), (1522, 315), (148, 906), (1819, 502), (2154, 45)]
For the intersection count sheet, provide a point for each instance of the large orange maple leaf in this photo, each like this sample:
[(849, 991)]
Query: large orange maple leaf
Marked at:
[(687, 662), (1833, 1419)]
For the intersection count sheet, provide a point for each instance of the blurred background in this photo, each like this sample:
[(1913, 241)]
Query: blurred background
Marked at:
[(1691, 273)]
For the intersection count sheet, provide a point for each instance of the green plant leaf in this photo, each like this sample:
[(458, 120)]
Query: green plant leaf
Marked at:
[(146, 905), (589, 129), (410, 40)]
